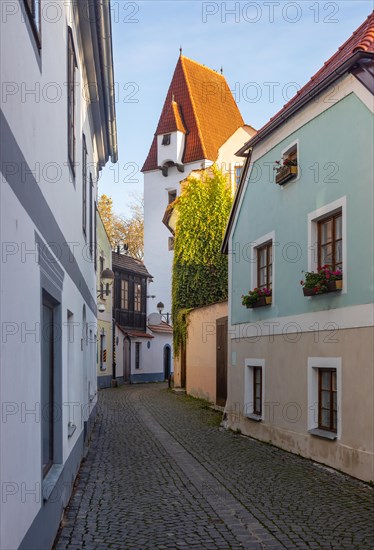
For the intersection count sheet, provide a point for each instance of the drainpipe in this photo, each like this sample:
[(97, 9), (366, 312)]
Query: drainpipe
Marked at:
[(114, 380)]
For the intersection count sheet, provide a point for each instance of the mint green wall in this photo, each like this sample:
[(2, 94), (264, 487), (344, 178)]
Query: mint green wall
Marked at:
[(342, 135)]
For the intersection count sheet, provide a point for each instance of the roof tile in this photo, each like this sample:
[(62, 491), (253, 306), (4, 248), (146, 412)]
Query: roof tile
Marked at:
[(128, 263)]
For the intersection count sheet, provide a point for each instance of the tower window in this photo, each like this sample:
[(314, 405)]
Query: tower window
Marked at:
[(166, 138)]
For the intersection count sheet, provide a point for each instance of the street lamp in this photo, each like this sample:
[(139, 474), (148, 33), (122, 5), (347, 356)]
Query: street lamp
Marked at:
[(160, 306), (106, 280)]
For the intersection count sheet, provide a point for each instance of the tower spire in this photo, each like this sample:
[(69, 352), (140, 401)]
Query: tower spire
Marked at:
[(180, 50)]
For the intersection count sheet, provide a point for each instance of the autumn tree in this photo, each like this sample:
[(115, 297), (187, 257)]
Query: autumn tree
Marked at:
[(124, 230)]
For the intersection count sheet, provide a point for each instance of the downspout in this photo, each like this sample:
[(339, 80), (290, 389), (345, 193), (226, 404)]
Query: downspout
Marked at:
[(114, 364), (105, 30)]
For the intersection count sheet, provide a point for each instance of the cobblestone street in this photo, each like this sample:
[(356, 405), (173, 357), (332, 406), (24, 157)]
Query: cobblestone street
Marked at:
[(161, 474)]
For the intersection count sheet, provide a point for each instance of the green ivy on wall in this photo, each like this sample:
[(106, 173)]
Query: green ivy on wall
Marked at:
[(200, 271)]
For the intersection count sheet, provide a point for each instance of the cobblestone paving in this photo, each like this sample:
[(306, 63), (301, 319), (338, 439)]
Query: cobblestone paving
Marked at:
[(162, 474)]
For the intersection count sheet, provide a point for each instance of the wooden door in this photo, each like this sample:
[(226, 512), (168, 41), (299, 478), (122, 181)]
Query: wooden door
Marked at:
[(221, 361)]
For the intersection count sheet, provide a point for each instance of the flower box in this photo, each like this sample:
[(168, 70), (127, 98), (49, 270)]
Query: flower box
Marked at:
[(323, 281), (260, 302), (333, 286), (285, 173), (258, 297), (309, 292)]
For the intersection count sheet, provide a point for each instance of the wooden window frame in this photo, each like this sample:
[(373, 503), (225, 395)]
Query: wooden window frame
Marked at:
[(255, 385), (332, 391), (34, 13), (71, 66), (334, 265), (84, 185), (124, 294), (268, 246), (137, 297)]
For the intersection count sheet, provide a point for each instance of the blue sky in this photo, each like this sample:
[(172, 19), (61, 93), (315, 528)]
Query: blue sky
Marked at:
[(268, 49)]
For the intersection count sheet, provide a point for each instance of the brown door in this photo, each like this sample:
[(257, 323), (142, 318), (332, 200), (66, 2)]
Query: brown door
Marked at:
[(183, 358), (221, 361)]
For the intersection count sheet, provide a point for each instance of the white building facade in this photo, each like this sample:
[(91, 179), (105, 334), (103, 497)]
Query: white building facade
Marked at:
[(57, 132)]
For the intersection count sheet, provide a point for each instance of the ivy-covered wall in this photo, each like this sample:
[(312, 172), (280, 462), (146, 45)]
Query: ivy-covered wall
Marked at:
[(200, 271)]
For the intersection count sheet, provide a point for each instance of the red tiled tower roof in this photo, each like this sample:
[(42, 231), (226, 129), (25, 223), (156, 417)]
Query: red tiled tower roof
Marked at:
[(200, 103)]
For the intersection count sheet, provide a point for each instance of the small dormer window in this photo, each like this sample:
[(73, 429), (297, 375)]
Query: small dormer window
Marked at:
[(287, 167), (166, 139)]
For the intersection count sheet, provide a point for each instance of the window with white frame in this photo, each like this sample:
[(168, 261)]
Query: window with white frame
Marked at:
[(287, 167), (262, 262), (330, 241), (324, 397), (254, 376), (327, 400), (327, 237)]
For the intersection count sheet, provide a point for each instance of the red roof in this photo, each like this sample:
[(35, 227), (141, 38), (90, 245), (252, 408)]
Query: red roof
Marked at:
[(199, 100), (136, 333), (163, 328), (362, 40)]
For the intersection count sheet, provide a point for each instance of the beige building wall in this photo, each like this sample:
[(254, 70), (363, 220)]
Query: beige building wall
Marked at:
[(104, 319), (201, 350), (288, 407), (227, 160)]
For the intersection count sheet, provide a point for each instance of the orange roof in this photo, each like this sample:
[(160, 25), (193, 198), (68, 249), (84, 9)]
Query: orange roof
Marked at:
[(163, 328), (199, 100), (361, 41)]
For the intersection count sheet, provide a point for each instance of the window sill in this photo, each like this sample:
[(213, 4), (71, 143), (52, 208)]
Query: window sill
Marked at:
[(324, 434), (50, 480), (254, 417)]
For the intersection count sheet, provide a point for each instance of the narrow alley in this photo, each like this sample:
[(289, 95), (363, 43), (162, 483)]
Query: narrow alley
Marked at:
[(161, 473)]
